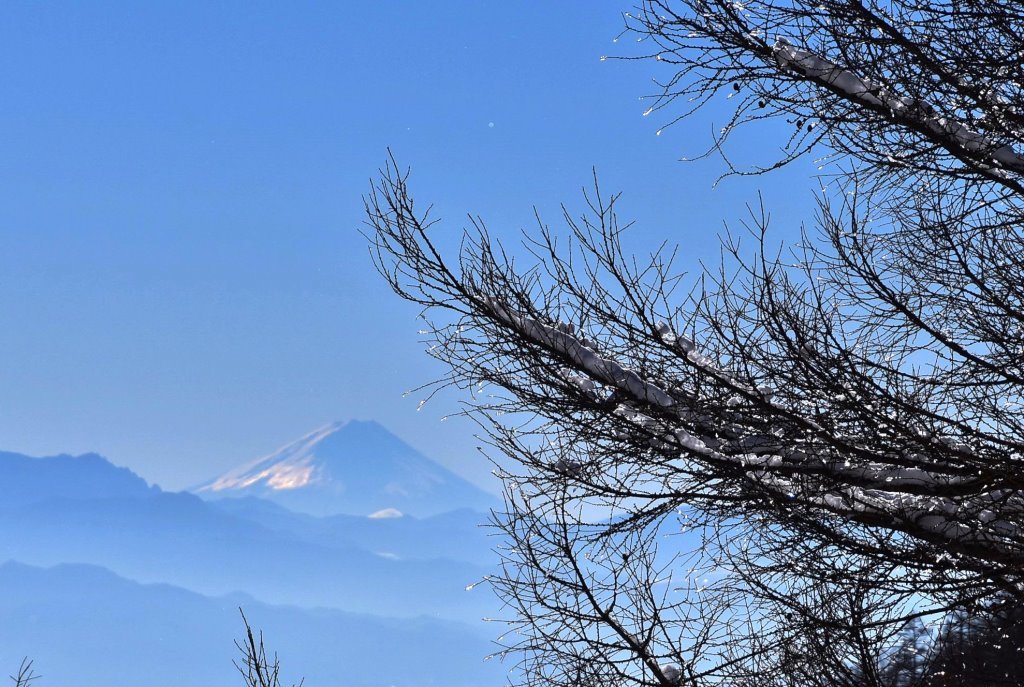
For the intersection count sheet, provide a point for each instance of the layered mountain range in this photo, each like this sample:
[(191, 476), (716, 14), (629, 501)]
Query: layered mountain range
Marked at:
[(84, 625), (99, 558)]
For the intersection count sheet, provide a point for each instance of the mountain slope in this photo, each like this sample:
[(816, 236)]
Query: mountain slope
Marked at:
[(85, 626), (355, 468)]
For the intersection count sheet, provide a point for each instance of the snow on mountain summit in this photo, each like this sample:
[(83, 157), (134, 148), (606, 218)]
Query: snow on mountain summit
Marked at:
[(289, 467), (355, 467)]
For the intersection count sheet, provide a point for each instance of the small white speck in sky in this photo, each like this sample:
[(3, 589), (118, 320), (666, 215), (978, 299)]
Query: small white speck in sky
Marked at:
[(490, 124)]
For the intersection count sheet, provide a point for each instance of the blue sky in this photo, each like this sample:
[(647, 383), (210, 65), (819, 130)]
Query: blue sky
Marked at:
[(183, 285)]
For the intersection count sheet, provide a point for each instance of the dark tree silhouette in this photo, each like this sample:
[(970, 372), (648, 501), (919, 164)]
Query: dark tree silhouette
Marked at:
[(837, 431), (984, 648)]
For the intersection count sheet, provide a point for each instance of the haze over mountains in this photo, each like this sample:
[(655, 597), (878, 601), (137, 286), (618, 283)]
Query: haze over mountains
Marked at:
[(161, 574), (86, 626)]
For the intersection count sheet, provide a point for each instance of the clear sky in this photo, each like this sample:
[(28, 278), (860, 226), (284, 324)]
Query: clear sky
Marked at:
[(183, 286)]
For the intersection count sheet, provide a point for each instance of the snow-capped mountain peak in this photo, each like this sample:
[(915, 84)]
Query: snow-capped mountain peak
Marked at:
[(355, 467)]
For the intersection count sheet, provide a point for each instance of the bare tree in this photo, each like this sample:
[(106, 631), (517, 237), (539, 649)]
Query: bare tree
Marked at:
[(26, 674), (839, 429), (256, 668)]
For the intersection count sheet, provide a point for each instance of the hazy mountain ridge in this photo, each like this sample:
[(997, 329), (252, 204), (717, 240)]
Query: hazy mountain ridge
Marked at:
[(179, 539), (84, 625), (26, 479), (459, 534), (86, 510), (192, 561)]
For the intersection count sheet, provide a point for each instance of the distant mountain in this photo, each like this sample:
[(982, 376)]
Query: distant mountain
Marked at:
[(458, 535), (26, 480), (85, 626), (82, 509), (182, 540), (355, 468)]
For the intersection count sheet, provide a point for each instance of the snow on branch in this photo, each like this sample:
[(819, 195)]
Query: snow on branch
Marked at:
[(874, 492), (605, 371), (866, 91), (960, 521)]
